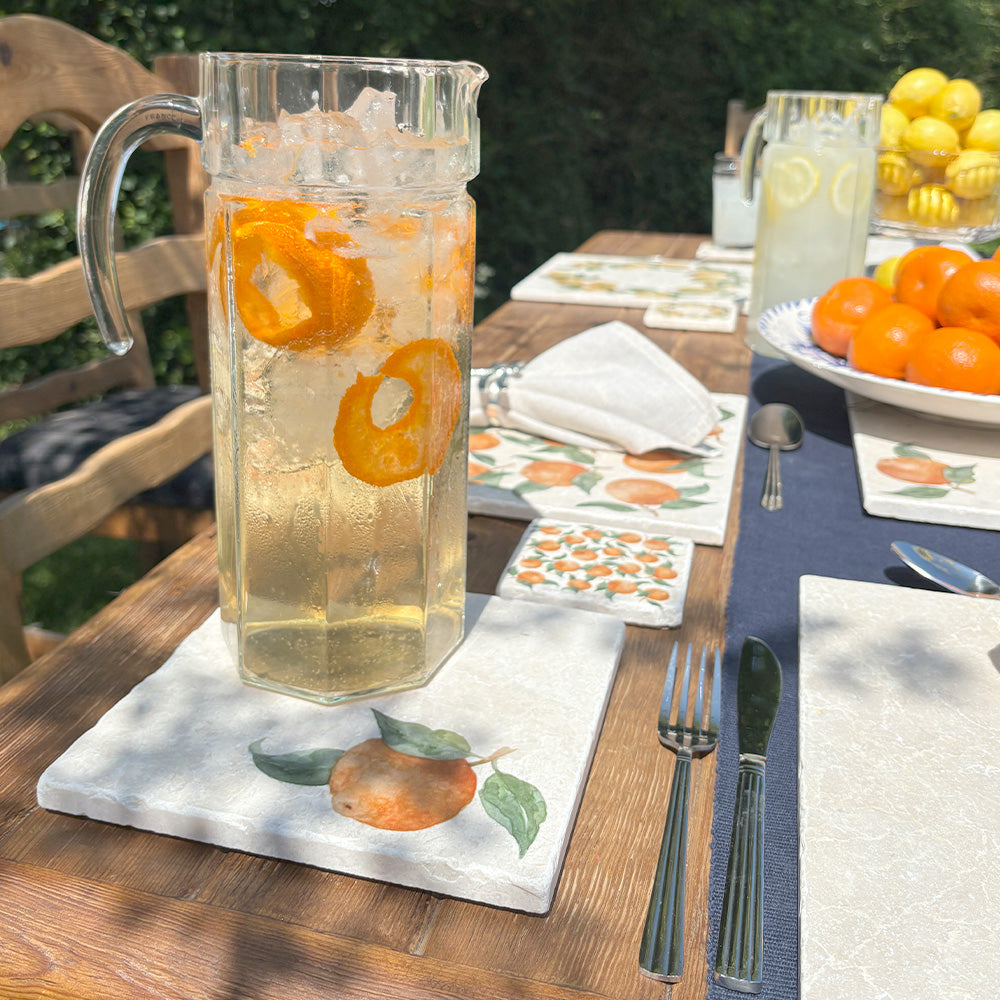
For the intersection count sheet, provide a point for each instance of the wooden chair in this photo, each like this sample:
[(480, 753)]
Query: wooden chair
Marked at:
[(105, 450)]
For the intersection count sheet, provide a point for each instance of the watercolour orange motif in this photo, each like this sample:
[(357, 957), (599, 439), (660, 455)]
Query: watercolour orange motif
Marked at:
[(409, 778), (927, 478)]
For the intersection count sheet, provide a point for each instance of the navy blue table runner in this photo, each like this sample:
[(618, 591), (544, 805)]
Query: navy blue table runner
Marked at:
[(822, 530)]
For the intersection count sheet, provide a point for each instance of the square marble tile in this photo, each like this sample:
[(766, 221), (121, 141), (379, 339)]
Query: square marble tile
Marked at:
[(899, 792), (517, 475), (174, 756), (923, 469), (638, 577)]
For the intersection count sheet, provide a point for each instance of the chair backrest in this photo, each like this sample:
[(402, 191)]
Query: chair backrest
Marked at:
[(52, 72)]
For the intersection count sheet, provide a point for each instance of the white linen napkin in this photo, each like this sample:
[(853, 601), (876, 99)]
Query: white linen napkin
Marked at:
[(608, 387)]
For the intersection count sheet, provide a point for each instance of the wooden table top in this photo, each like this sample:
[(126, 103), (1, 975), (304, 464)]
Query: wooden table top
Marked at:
[(92, 910)]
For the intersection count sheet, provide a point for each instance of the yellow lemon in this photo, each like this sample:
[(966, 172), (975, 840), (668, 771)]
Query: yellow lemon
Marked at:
[(978, 213), (849, 188), (886, 271), (957, 103), (930, 141), (984, 132), (790, 181), (893, 126), (913, 91), (895, 174), (973, 173), (932, 205)]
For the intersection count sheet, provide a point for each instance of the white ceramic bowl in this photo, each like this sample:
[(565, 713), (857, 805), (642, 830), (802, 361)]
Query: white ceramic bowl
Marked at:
[(787, 327)]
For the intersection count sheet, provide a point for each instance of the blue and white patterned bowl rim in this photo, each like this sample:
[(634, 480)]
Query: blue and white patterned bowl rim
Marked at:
[(787, 327)]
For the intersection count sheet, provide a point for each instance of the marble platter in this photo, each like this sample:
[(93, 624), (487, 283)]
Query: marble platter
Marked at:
[(174, 757), (899, 792)]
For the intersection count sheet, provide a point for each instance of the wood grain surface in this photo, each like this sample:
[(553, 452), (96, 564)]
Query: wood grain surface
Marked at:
[(91, 910)]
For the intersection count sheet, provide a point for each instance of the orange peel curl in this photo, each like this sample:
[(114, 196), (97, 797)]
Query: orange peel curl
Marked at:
[(417, 442)]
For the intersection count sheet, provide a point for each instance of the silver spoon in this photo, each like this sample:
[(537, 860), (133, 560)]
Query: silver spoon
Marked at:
[(946, 572), (777, 427)]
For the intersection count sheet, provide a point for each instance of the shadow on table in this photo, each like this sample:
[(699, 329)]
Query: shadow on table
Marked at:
[(821, 404)]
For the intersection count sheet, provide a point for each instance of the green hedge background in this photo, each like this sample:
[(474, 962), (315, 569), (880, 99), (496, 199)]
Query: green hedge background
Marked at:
[(596, 115)]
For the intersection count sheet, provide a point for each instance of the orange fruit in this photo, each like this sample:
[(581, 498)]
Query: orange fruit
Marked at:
[(662, 460), (550, 473), (483, 441), (417, 442), (952, 357), (923, 272), (914, 470), (295, 286), (838, 311), (643, 492), (883, 342), (971, 298), (384, 788)]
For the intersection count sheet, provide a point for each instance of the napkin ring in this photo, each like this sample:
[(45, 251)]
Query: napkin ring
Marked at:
[(492, 383)]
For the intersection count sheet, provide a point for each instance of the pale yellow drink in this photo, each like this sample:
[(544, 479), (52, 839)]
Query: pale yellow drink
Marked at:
[(343, 527)]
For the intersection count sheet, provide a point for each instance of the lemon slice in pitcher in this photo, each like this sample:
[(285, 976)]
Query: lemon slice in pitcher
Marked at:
[(848, 188), (791, 181)]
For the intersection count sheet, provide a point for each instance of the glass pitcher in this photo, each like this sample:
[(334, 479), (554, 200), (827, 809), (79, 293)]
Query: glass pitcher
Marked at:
[(340, 245), (817, 174)]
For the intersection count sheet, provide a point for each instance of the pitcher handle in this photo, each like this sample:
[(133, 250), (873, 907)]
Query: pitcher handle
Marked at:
[(752, 143), (116, 140)]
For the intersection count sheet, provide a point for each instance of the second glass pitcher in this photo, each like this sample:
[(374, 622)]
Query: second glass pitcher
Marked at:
[(817, 179)]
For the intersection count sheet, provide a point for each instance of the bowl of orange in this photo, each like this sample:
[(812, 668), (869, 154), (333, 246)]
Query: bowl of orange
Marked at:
[(930, 342), (937, 173)]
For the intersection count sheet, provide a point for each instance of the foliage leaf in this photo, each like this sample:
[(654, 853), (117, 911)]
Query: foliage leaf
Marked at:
[(516, 805), (300, 767), (420, 741)]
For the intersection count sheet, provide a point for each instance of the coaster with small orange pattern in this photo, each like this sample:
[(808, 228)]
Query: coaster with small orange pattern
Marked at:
[(637, 576)]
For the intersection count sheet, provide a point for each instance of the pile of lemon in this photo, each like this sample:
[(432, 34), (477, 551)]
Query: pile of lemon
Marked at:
[(939, 158)]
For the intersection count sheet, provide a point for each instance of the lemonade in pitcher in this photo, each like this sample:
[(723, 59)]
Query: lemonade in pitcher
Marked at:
[(340, 254), (817, 180), (350, 330)]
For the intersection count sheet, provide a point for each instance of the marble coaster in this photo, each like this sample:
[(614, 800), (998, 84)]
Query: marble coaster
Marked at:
[(703, 315), (922, 469), (174, 757), (517, 475), (899, 792), (638, 577)]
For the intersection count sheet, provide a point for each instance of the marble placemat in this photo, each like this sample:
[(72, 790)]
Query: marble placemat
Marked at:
[(517, 475), (631, 282), (638, 577), (918, 468), (174, 757), (899, 792)]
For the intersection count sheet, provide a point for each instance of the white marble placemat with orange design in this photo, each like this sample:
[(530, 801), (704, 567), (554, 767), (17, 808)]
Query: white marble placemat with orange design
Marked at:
[(639, 577), (632, 282), (517, 475), (925, 469)]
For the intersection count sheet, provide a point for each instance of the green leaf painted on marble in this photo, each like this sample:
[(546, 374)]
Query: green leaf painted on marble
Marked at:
[(607, 505), (586, 481), (516, 805), (922, 492), (960, 475), (300, 767), (420, 741)]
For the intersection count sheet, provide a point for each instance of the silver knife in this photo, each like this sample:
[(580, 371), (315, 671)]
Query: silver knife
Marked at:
[(739, 958)]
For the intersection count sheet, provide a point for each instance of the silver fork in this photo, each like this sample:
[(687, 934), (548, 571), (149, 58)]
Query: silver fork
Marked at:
[(694, 734)]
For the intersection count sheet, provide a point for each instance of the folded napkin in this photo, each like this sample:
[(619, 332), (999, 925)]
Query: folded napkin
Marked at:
[(608, 387)]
